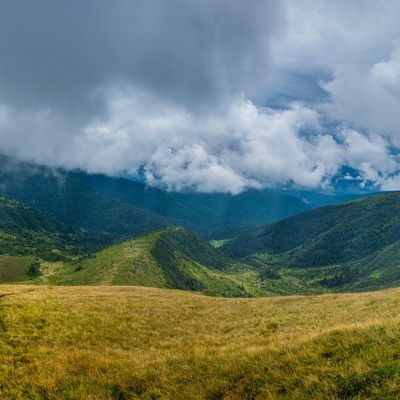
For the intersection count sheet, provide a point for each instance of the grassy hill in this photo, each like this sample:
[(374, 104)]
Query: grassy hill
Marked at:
[(345, 247), (168, 258), (141, 343), (33, 246)]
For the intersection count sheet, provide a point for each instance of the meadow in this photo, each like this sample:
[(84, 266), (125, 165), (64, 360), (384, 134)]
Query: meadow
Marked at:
[(101, 342)]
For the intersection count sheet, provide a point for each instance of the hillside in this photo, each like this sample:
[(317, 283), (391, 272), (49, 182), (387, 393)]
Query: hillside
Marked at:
[(172, 258), (26, 234), (74, 203), (345, 247), (142, 343), (208, 214), (26, 231), (31, 240), (36, 248)]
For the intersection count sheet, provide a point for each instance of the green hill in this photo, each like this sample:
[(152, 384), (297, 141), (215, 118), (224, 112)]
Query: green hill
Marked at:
[(74, 203), (26, 231), (34, 247), (347, 247), (25, 235), (172, 258)]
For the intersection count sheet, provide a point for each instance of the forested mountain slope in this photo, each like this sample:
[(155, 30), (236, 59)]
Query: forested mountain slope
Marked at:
[(342, 232), (208, 214), (73, 202), (122, 207), (26, 231), (347, 247)]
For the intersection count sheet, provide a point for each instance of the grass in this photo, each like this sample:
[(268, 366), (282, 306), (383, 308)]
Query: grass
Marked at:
[(146, 343), (14, 268)]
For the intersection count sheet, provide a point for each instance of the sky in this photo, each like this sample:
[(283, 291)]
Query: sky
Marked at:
[(205, 95)]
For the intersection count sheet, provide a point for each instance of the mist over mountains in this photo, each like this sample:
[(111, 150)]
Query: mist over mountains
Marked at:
[(123, 207)]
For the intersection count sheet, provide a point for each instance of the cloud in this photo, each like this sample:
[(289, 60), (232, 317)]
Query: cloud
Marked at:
[(320, 36), (184, 90), (368, 98), (369, 154), (56, 54), (241, 147)]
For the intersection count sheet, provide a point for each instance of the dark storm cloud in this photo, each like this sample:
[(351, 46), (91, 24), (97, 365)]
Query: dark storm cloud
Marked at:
[(55, 54)]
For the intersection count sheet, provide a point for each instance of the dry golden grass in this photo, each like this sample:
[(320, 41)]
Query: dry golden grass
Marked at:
[(135, 342)]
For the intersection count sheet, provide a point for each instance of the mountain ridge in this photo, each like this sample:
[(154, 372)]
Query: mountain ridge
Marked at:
[(122, 208), (352, 246), (172, 258)]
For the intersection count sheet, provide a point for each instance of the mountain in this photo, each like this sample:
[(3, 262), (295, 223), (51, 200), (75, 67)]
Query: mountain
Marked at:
[(208, 214), (347, 247), (172, 258), (35, 247), (214, 214), (351, 246), (72, 202), (120, 207), (316, 199)]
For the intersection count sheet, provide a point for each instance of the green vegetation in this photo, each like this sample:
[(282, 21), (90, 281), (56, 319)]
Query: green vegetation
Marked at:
[(352, 246), (329, 234), (29, 237), (75, 204), (219, 243), (168, 258), (141, 343), (25, 231), (121, 207)]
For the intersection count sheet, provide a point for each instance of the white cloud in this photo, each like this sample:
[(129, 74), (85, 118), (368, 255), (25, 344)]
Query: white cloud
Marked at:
[(228, 150), (368, 154), (177, 87), (364, 99)]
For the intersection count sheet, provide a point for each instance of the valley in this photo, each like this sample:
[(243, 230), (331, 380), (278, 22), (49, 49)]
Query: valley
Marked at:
[(77, 229)]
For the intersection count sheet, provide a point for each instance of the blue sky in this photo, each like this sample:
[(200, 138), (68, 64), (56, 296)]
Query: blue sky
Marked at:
[(211, 95)]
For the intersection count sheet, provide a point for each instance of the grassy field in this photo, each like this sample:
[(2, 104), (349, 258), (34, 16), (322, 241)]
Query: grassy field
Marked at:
[(142, 343)]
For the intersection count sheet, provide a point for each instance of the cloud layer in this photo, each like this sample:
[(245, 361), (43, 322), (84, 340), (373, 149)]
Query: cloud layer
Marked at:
[(187, 91)]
